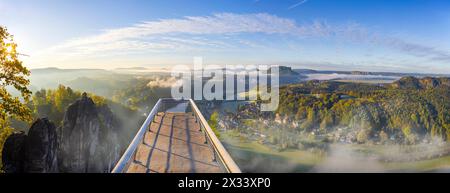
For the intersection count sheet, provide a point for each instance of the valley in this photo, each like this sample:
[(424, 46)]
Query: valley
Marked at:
[(325, 122), (333, 126)]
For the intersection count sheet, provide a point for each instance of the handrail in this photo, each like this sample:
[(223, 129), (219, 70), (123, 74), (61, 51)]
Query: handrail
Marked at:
[(219, 151), (124, 160), (224, 157)]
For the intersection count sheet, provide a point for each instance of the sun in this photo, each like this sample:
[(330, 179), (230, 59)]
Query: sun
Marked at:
[(9, 49)]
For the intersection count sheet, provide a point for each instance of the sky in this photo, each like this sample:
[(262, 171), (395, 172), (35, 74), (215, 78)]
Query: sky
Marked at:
[(367, 35)]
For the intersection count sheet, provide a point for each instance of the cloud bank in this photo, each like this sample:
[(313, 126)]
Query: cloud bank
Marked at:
[(185, 33)]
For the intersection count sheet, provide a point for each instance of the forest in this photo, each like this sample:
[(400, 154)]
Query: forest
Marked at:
[(408, 111)]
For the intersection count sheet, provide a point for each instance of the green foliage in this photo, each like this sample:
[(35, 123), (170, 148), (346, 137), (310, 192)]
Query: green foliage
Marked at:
[(214, 123), (363, 136), (53, 103), (412, 111), (140, 95), (13, 75)]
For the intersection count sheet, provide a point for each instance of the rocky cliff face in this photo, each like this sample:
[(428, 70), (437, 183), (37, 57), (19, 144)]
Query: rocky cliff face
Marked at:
[(109, 137), (40, 147), (35, 152), (87, 141), (12, 155), (88, 138)]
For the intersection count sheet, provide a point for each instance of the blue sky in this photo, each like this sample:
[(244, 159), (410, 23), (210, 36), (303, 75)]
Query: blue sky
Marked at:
[(371, 35)]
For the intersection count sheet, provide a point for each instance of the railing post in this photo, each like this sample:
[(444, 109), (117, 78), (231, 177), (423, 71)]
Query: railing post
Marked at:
[(214, 156), (200, 124)]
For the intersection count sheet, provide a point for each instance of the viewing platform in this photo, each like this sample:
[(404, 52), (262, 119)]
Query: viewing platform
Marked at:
[(176, 138)]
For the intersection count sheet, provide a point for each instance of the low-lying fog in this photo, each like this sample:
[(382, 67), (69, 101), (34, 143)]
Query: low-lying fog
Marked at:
[(341, 158), (336, 76)]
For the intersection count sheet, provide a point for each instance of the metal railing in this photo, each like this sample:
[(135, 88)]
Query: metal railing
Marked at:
[(124, 161), (220, 153), (224, 158)]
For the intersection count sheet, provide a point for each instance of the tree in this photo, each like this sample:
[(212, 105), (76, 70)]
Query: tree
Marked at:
[(383, 137), (214, 123), (13, 75), (363, 136)]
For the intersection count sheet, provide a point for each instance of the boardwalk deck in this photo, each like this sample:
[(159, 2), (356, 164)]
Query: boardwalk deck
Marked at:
[(174, 144)]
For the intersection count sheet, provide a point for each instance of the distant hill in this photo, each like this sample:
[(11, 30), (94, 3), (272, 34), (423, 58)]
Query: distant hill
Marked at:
[(102, 87), (411, 82), (59, 70), (305, 71), (132, 68), (83, 79), (287, 71), (289, 76), (311, 71)]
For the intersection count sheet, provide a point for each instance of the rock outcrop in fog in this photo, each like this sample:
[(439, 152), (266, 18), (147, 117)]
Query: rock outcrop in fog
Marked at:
[(86, 138), (35, 152), (87, 141), (12, 155)]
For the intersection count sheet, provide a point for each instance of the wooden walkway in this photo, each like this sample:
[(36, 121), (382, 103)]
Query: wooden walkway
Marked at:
[(174, 144)]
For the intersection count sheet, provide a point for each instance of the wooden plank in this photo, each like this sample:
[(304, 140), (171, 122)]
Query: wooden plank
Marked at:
[(174, 143), (222, 154)]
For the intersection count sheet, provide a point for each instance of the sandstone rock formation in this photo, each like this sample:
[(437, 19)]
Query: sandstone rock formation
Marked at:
[(87, 141), (86, 138), (12, 155), (35, 152), (40, 147)]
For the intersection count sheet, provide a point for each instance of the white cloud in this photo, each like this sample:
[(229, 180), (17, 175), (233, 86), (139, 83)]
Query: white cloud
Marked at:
[(297, 4), (188, 33), (161, 34), (224, 23)]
